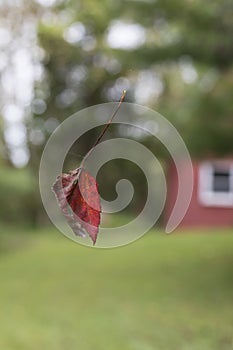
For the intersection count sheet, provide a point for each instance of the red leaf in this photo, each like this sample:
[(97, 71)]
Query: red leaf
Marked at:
[(78, 197), (77, 193)]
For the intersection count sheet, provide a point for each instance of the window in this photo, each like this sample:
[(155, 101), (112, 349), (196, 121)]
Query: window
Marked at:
[(215, 185), (221, 180)]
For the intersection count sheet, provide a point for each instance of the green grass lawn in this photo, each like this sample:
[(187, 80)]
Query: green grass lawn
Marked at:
[(160, 293)]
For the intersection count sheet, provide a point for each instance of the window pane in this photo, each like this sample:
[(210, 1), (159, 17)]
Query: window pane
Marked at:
[(221, 181)]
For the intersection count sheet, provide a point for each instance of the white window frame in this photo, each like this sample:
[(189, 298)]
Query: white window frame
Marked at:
[(207, 196)]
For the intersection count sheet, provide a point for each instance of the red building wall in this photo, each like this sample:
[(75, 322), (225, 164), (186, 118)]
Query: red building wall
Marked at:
[(197, 214)]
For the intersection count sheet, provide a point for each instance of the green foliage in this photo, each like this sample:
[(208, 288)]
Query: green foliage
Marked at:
[(177, 33), (213, 127), (162, 292), (201, 30), (17, 197)]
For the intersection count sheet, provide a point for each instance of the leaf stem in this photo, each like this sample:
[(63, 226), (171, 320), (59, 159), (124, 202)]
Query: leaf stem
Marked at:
[(104, 129)]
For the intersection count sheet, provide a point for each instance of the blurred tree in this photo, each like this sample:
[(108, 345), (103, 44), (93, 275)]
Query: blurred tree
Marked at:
[(179, 62), (200, 30), (184, 58), (191, 44)]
